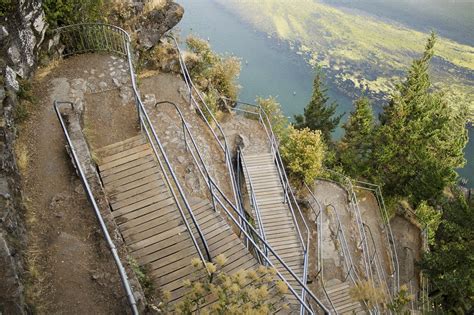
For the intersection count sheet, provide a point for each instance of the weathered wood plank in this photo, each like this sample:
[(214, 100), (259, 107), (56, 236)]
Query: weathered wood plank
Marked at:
[(132, 170), (132, 157), (124, 153), (126, 166), (119, 146)]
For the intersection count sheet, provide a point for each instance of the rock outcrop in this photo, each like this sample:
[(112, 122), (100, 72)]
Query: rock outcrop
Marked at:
[(148, 19), (156, 22), (22, 31)]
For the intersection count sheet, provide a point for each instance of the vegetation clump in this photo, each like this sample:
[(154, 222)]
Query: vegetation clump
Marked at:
[(6, 7), (65, 12), (276, 118), (214, 74), (400, 301), (449, 264), (244, 292), (356, 146), (367, 293), (303, 151), (143, 277), (420, 140)]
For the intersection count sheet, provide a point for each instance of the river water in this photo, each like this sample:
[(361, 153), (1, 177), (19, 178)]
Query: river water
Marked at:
[(269, 66)]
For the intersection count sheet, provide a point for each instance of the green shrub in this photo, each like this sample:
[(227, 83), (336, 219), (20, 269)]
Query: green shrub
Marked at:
[(26, 91), (400, 301), (5, 7), (210, 70), (303, 151), (66, 12), (142, 276), (429, 218), (278, 121)]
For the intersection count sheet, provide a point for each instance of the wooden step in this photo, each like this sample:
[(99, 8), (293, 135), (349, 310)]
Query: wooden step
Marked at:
[(122, 145)]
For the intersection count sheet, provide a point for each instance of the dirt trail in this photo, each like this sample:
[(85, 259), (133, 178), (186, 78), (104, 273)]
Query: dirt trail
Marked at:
[(72, 271)]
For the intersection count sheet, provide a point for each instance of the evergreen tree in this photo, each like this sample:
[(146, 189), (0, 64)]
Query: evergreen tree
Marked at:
[(449, 264), (318, 114), (355, 148), (421, 139)]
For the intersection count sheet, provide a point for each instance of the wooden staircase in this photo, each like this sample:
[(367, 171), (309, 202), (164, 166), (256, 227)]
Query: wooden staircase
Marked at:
[(341, 299), (151, 224), (280, 231)]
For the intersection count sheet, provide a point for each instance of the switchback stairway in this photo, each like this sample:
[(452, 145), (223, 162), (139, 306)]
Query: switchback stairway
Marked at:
[(150, 222)]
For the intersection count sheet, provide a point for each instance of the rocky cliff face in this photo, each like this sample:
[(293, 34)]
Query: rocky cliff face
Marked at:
[(22, 31)]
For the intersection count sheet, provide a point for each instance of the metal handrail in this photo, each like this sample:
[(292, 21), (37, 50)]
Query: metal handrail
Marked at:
[(351, 271), (376, 261), (288, 191), (248, 228), (124, 50), (270, 249), (392, 248), (123, 274), (223, 144), (241, 158), (319, 227), (347, 184)]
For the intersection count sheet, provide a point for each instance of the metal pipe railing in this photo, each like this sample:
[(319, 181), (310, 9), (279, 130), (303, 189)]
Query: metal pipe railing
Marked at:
[(121, 46), (347, 184), (223, 144), (288, 191), (319, 226), (388, 230), (376, 262), (123, 274), (145, 123), (241, 159), (218, 195)]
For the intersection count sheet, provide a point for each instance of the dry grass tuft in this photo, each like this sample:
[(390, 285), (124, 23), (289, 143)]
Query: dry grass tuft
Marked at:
[(22, 156)]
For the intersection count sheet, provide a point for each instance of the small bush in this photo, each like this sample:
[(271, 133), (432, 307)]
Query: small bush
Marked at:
[(245, 292), (366, 292), (143, 277), (430, 219), (278, 121), (303, 152), (26, 91), (6, 6), (211, 71), (400, 301)]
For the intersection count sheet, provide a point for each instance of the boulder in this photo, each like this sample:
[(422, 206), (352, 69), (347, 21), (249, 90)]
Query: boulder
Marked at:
[(158, 21)]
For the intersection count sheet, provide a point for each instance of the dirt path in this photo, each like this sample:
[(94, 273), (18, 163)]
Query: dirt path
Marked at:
[(71, 269)]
